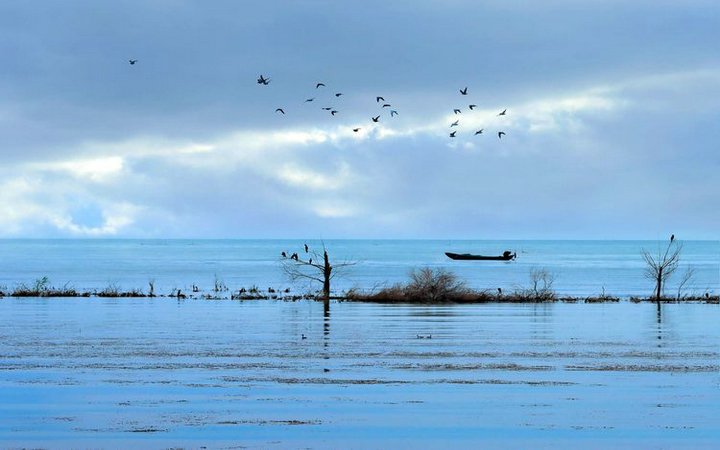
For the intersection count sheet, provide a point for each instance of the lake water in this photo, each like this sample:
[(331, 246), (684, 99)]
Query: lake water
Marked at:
[(581, 268), (161, 373)]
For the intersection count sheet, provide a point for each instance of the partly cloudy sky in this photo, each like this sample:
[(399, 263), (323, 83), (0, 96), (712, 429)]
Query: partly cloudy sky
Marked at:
[(612, 125)]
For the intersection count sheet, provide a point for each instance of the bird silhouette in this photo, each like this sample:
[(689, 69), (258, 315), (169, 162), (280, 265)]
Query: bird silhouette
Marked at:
[(503, 112), (479, 131), (284, 255), (319, 84), (333, 112), (672, 238), (132, 61), (457, 111), (393, 113), (310, 261), (386, 105), (472, 107), (376, 118), (306, 248), (355, 130), (327, 108), (264, 81), (454, 124), (309, 99), (452, 135), (377, 99), (280, 110), (338, 94), (464, 91), (501, 134)]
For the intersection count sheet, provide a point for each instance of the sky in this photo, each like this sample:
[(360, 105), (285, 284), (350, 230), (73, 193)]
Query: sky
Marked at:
[(611, 126)]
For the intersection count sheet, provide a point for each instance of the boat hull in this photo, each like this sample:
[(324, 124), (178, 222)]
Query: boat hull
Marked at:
[(469, 257)]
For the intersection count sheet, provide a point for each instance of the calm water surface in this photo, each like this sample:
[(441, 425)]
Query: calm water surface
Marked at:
[(158, 373)]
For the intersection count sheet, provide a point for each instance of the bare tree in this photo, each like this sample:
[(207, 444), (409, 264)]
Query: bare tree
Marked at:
[(687, 276), (313, 266), (661, 266)]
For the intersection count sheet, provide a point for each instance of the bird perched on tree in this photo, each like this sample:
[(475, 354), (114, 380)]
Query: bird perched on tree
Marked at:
[(672, 238), (284, 255), (306, 248)]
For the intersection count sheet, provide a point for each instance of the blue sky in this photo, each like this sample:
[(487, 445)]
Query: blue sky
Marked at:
[(611, 128)]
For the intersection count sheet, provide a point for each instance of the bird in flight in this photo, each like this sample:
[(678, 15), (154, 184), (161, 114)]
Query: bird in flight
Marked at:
[(472, 107), (457, 111), (355, 130), (501, 134), (452, 135), (376, 118), (280, 110), (132, 61), (327, 108), (333, 112), (319, 84), (377, 99), (454, 124), (393, 113), (503, 112), (262, 80), (479, 131), (386, 105), (310, 99), (464, 91), (338, 94)]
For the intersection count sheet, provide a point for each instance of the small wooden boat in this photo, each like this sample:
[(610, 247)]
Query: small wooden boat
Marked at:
[(506, 256)]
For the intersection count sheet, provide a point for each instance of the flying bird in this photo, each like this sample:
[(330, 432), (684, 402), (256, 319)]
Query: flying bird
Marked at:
[(501, 134), (132, 61), (262, 80), (454, 124), (503, 112), (479, 131), (327, 108), (338, 94), (393, 113), (355, 130), (319, 84), (333, 112), (464, 91), (472, 107), (377, 99), (280, 110), (457, 111), (452, 135), (376, 118), (386, 105), (310, 99)]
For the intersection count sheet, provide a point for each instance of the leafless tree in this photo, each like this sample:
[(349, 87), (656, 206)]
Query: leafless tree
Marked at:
[(661, 266), (687, 276), (313, 266)]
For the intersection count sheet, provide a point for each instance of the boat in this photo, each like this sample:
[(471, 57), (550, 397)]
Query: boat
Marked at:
[(506, 256)]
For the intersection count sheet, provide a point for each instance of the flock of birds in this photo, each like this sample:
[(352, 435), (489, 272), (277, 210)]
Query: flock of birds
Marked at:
[(379, 100), (385, 106)]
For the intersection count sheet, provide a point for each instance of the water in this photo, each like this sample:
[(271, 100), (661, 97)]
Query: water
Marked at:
[(581, 268), (161, 373)]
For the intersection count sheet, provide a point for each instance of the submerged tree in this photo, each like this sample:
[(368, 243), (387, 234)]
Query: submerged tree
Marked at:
[(312, 266), (661, 266)]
